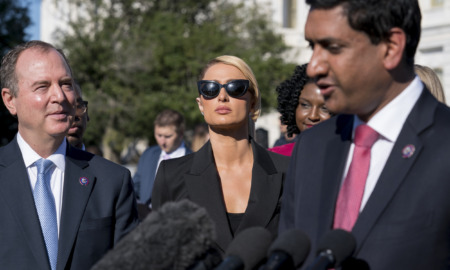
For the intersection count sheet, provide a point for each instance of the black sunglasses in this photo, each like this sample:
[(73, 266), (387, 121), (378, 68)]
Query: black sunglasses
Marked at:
[(234, 88)]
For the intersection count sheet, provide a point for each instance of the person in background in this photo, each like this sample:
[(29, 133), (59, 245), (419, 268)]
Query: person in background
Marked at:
[(284, 137), (379, 169), (76, 131), (238, 181), (169, 130), (301, 107), (431, 81), (61, 207)]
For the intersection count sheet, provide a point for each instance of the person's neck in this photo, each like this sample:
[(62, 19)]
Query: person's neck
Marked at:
[(174, 149), (400, 80), (228, 150), (44, 147)]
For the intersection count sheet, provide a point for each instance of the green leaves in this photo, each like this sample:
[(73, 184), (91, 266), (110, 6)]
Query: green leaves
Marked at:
[(13, 22), (135, 58)]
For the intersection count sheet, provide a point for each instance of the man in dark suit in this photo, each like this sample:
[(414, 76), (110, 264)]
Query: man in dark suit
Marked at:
[(393, 196), (76, 131), (60, 207), (169, 131)]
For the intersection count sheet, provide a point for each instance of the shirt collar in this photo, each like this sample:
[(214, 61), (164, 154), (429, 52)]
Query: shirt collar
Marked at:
[(179, 152), (30, 156), (388, 122)]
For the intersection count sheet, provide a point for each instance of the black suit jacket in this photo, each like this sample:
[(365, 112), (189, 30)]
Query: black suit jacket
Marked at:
[(195, 177), (406, 221), (93, 216), (146, 171)]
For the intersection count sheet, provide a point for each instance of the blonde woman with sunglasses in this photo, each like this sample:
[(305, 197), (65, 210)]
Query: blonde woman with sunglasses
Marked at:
[(235, 179)]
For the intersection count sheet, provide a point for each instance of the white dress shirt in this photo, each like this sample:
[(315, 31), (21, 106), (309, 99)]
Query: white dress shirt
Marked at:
[(179, 152), (388, 122), (57, 177)]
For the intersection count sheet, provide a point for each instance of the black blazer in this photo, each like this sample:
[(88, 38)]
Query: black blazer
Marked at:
[(93, 216), (195, 177), (406, 221)]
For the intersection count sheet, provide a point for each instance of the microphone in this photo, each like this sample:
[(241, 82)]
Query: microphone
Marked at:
[(178, 236), (334, 248), (247, 250), (288, 251)]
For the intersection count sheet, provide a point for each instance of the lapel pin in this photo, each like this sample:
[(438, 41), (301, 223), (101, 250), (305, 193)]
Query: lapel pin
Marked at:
[(84, 181), (408, 151)]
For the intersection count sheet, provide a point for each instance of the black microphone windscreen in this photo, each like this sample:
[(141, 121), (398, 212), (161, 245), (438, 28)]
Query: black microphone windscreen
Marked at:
[(293, 242), (251, 246), (174, 237), (340, 242)]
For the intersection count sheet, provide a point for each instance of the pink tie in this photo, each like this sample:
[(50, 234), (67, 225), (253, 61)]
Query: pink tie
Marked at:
[(352, 190)]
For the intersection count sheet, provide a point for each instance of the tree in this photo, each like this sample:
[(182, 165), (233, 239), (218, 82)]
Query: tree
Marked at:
[(13, 22), (134, 58)]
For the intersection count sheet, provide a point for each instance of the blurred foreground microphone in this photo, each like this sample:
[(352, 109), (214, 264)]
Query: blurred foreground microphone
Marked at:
[(334, 248), (247, 250), (178, 236), (288, 251)]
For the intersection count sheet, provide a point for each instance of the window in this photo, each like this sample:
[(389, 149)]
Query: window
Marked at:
[(437, 3), (289, 13), (439, 72)]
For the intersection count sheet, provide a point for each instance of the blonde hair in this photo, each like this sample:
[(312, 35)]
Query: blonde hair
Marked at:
[(248, 73), (431, 81)]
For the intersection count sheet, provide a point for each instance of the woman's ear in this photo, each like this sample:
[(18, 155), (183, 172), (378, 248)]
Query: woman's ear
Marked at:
[(200, 104)]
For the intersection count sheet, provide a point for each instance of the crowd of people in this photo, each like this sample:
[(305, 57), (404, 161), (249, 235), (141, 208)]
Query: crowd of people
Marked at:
[(365, 151)]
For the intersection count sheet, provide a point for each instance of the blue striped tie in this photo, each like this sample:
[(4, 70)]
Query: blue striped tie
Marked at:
[(45, 205)]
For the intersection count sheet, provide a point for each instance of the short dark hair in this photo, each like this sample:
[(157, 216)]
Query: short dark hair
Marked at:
[(377, 17), (288, 98), (169, 117)]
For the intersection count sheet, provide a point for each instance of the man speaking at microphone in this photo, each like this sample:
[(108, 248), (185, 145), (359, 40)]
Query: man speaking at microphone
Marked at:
[(380, 167)]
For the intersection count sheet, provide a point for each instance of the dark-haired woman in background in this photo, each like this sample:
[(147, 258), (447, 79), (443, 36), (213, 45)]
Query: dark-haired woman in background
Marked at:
[(301, 106), (235, 179)]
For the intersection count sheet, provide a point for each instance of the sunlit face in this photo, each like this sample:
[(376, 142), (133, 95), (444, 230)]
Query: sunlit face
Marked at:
[(76, 131), (311, 108), (45, 101), (346, 66), (168, 138), (224, 111)]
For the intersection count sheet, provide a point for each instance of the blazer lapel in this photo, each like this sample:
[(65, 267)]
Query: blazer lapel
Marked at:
[(265, 190), (18, 196), (204, 188), (75, 198), (334, 165), (397, 167)]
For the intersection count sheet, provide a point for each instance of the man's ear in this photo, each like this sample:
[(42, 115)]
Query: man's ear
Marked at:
[(395, 48), (9, 101)]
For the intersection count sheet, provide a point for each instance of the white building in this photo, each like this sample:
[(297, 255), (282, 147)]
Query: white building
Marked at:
[(434, 47), (289, 17)]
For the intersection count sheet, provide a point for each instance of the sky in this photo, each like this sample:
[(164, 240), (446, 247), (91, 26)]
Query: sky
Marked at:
[(34, 7)]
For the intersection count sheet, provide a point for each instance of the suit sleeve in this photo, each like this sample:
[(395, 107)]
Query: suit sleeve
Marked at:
[(137, 182), (126, 211), (287, 215), (137, 178), (160, 191)]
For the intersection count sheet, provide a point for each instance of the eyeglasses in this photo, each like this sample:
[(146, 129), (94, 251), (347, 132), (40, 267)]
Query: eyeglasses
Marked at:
[(211, 89), (81, 107)]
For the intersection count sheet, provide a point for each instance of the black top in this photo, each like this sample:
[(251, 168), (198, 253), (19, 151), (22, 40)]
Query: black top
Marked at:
[(234, 219), (195, 177)]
